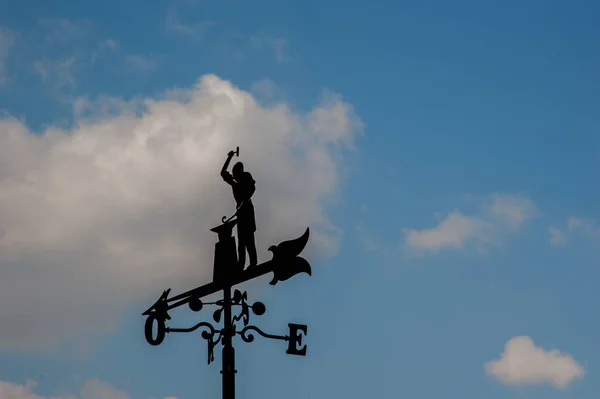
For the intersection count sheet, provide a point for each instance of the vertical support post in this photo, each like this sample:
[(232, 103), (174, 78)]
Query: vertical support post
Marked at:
[(228, 359), (226, 266)]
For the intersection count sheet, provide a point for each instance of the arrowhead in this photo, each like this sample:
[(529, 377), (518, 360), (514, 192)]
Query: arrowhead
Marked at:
[(161, 301)]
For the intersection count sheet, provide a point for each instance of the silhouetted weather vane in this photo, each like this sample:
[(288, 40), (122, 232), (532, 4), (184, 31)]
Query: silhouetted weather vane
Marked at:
[(243, 187), (228, 271)]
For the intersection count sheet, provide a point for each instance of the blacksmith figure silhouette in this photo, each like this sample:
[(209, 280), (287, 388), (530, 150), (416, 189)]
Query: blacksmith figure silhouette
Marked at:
[(243, 186)]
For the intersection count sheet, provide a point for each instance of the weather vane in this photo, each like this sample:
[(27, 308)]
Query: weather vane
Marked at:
[(229, 270)]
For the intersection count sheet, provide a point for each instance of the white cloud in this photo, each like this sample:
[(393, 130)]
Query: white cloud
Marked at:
[(110, 44), (266, 91), (524, 363), (92, 389), (57, 73), (456, 230), (105, 46), (513, 209), (583, 227), (557, 237), (578, 223), (279, 49), (64, 31), (277, 45), (104, 106), (452, 232), (17, 391), (120, 207), (140, 63), (7, 40), (96, 389), (174, 25), (367, 241)]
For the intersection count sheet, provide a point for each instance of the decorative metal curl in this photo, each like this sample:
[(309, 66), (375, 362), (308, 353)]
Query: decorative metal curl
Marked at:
[(240, 299), (224, 218), (208, 335), (249, 337), (244, 314)]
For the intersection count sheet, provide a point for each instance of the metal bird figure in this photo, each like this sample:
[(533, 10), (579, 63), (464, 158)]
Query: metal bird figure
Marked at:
[(287, 261)]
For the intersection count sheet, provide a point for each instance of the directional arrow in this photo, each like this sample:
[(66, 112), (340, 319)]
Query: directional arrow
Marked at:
[(280, 258), (211, 288)]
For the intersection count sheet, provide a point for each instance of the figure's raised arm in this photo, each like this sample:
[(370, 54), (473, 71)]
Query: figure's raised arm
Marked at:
[(224, 174)]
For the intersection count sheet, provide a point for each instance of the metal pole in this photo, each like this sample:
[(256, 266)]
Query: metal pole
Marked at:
[(228, 359)]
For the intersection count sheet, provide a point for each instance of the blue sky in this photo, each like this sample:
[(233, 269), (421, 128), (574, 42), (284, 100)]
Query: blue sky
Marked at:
[(462, 217)]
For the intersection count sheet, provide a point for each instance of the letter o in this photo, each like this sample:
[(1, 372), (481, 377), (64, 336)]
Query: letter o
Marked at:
[(160, 334)]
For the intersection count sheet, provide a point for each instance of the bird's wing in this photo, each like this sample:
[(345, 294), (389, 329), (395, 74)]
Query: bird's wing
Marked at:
[(293, 248)]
